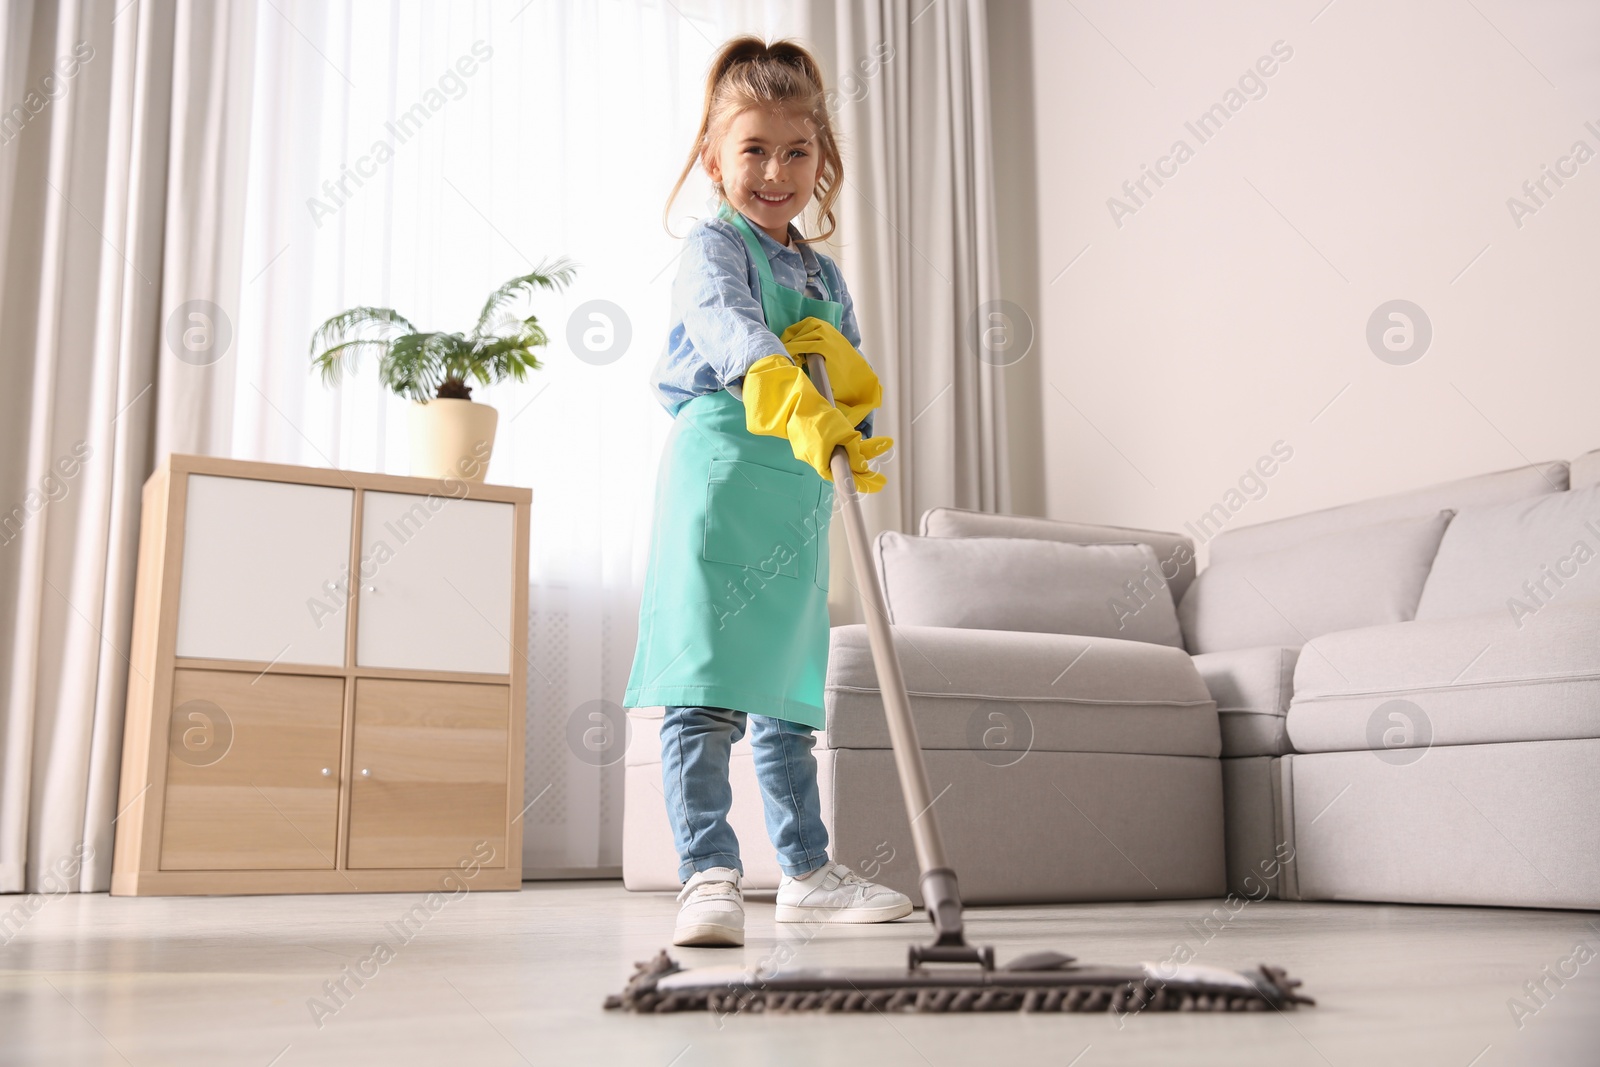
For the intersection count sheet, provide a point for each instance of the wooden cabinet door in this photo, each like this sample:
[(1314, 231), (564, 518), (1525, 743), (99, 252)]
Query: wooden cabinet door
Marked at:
[(428, 781), (435, 590), (264, 571), (252, 772)]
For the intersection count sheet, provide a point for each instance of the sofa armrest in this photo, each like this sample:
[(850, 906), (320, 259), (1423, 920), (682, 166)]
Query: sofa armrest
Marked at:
[(1175, 551)]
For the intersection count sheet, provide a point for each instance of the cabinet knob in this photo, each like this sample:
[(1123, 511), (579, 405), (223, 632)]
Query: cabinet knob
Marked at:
[(369, 589), (327, 772), (366, 773)]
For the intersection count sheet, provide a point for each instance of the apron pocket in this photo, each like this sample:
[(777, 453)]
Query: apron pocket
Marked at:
[(753, 517), (824, 519)]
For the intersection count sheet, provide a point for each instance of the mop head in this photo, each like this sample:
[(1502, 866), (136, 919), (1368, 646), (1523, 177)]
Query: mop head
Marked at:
[(1040, 981)]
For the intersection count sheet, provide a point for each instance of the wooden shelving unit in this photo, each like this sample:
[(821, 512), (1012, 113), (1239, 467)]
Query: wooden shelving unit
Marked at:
[(327, 684)]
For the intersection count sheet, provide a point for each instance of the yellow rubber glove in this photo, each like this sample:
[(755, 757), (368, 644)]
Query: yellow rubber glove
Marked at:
[(856, 391), (780, 401)]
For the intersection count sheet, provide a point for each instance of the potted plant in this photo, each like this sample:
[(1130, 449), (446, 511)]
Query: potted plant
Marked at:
[(451, 434)]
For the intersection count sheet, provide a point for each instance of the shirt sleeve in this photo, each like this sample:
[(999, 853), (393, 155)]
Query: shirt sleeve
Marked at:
[(722, 318), (852, 333)]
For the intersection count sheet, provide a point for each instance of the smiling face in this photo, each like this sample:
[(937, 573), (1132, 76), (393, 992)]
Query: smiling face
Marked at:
[(767, 163)]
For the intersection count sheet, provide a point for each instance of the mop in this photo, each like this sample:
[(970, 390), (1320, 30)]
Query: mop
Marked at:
[(949, 974)]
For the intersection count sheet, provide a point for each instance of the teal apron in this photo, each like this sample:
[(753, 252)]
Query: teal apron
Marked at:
[(735, 607)]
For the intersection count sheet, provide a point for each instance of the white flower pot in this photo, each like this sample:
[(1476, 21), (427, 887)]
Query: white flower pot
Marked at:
[(452, 439)]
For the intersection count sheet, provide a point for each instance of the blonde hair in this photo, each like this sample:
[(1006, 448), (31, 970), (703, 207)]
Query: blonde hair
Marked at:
[(750, 73)]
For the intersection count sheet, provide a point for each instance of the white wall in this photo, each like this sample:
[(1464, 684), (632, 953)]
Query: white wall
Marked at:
[(1229, 310)]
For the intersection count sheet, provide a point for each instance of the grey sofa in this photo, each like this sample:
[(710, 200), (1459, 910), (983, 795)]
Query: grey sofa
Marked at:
[(1393, 700)]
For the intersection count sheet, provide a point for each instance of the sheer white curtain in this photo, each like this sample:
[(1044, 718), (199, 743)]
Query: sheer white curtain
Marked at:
[(417, 155)]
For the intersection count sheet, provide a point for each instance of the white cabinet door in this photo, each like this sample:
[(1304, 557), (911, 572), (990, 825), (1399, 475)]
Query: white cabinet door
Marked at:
[(436, 583), (264, 570)]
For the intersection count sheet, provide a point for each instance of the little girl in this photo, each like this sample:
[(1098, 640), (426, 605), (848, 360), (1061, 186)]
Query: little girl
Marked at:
[(733, 627)]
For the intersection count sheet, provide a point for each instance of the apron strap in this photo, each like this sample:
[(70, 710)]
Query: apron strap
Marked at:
[(759, 254)]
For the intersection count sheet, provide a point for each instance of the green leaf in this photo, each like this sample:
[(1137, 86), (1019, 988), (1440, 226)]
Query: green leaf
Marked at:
[(345, 356), (554, 275)]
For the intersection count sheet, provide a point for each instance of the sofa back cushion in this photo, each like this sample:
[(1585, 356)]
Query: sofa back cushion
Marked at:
[(1362, 577), (1498, 487), (1585, 470), (1517, 557), (1017, 583), (1175, 551)]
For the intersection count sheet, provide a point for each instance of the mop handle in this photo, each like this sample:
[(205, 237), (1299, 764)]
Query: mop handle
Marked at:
[(939, 892)]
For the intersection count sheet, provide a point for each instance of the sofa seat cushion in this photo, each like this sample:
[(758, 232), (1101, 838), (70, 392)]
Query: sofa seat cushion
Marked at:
[(1016, 583), (1004, 693), (1252, 688), (1474, 680), (1362, 577), (1517, 557)]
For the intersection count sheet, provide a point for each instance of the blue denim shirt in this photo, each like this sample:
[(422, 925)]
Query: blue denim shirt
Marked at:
[(718, 328)]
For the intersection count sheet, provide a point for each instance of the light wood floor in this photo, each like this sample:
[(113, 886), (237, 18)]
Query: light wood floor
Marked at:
[(518, 978)]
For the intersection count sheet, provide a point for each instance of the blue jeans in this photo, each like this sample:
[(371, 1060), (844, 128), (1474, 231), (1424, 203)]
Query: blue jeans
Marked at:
[(695, 746)]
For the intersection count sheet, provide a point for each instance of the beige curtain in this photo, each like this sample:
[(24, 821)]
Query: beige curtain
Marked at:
[(121, 186), (917, 245)]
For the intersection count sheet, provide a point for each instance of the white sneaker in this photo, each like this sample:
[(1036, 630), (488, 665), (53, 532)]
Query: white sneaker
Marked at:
[(836, 894), (712, 911)]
